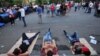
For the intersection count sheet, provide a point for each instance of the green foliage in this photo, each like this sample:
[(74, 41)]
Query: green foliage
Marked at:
[(48, 1), (38, 1), (17, 2), (10, 2), (77, 0)]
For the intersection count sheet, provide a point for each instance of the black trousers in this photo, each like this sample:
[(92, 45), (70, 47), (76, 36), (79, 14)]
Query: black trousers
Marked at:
[(12, 20), (24, 37)]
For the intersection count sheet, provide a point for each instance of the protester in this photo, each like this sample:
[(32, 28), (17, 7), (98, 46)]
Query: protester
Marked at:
[(69, 6), (52, 8), (48, 9), (76, 6), (86, 7), (98, 11), (22, 50), (83, 5), (90, 7), (11, 15), (22, 11), (63, 9), (48, 48), (39, 12), (76, 46), (58, 9)]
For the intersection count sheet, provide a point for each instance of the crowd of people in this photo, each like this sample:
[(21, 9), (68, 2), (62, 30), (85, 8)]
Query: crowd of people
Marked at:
[(11, 13), (88, 7)]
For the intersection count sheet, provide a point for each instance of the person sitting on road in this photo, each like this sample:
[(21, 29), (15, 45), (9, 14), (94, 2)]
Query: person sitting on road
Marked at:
[(22, 49)]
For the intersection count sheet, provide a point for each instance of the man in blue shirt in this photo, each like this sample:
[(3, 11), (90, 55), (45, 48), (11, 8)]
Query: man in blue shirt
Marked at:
[(39, 12)]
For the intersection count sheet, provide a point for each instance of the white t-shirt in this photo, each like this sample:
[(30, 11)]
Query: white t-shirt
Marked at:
[(26, 42), (58, 6), (9, 11), (22, 11), (76, 4), (83, 3), (90, 4)]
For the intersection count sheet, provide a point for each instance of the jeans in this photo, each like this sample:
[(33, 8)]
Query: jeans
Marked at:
[(73, 38), (23, 19), (47, 37)]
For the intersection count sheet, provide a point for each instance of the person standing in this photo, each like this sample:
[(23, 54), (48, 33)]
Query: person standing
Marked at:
[(11, 15), (98, 10), (90, 7), (76, 6), (52, 8), (86, 7), (39, 12), (22, 11), (69, 6), (58, 9)]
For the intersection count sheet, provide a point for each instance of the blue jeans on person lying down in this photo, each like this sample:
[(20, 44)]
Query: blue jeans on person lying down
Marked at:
[(73, 38)]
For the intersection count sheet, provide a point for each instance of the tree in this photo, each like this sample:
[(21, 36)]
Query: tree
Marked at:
[(10, 2), (38, 1), (77, 0)]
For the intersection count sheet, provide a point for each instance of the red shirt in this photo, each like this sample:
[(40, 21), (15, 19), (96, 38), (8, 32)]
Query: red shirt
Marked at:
[(85, 49)]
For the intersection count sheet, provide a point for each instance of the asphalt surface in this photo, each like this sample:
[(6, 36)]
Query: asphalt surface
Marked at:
[(83, 23)]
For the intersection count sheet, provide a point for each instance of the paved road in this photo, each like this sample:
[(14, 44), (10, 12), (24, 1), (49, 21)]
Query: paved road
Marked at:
[(80, 22)]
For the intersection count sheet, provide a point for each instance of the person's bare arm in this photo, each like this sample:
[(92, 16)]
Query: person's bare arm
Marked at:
[(56, 55), (24, 54), (10, 54), (72, 49)]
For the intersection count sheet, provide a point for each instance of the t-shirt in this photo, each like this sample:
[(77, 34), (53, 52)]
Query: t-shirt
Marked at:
[(76, 4), (9, 11), (52, 7), (22, 11), (85, 49), (58, 6), (90, 4), (24, 46), (39, 10)]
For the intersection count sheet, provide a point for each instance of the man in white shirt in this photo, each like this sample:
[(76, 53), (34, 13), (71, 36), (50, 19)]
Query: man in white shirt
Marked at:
[(76, 5), (22, 11), (90, 7), (58, 9)]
